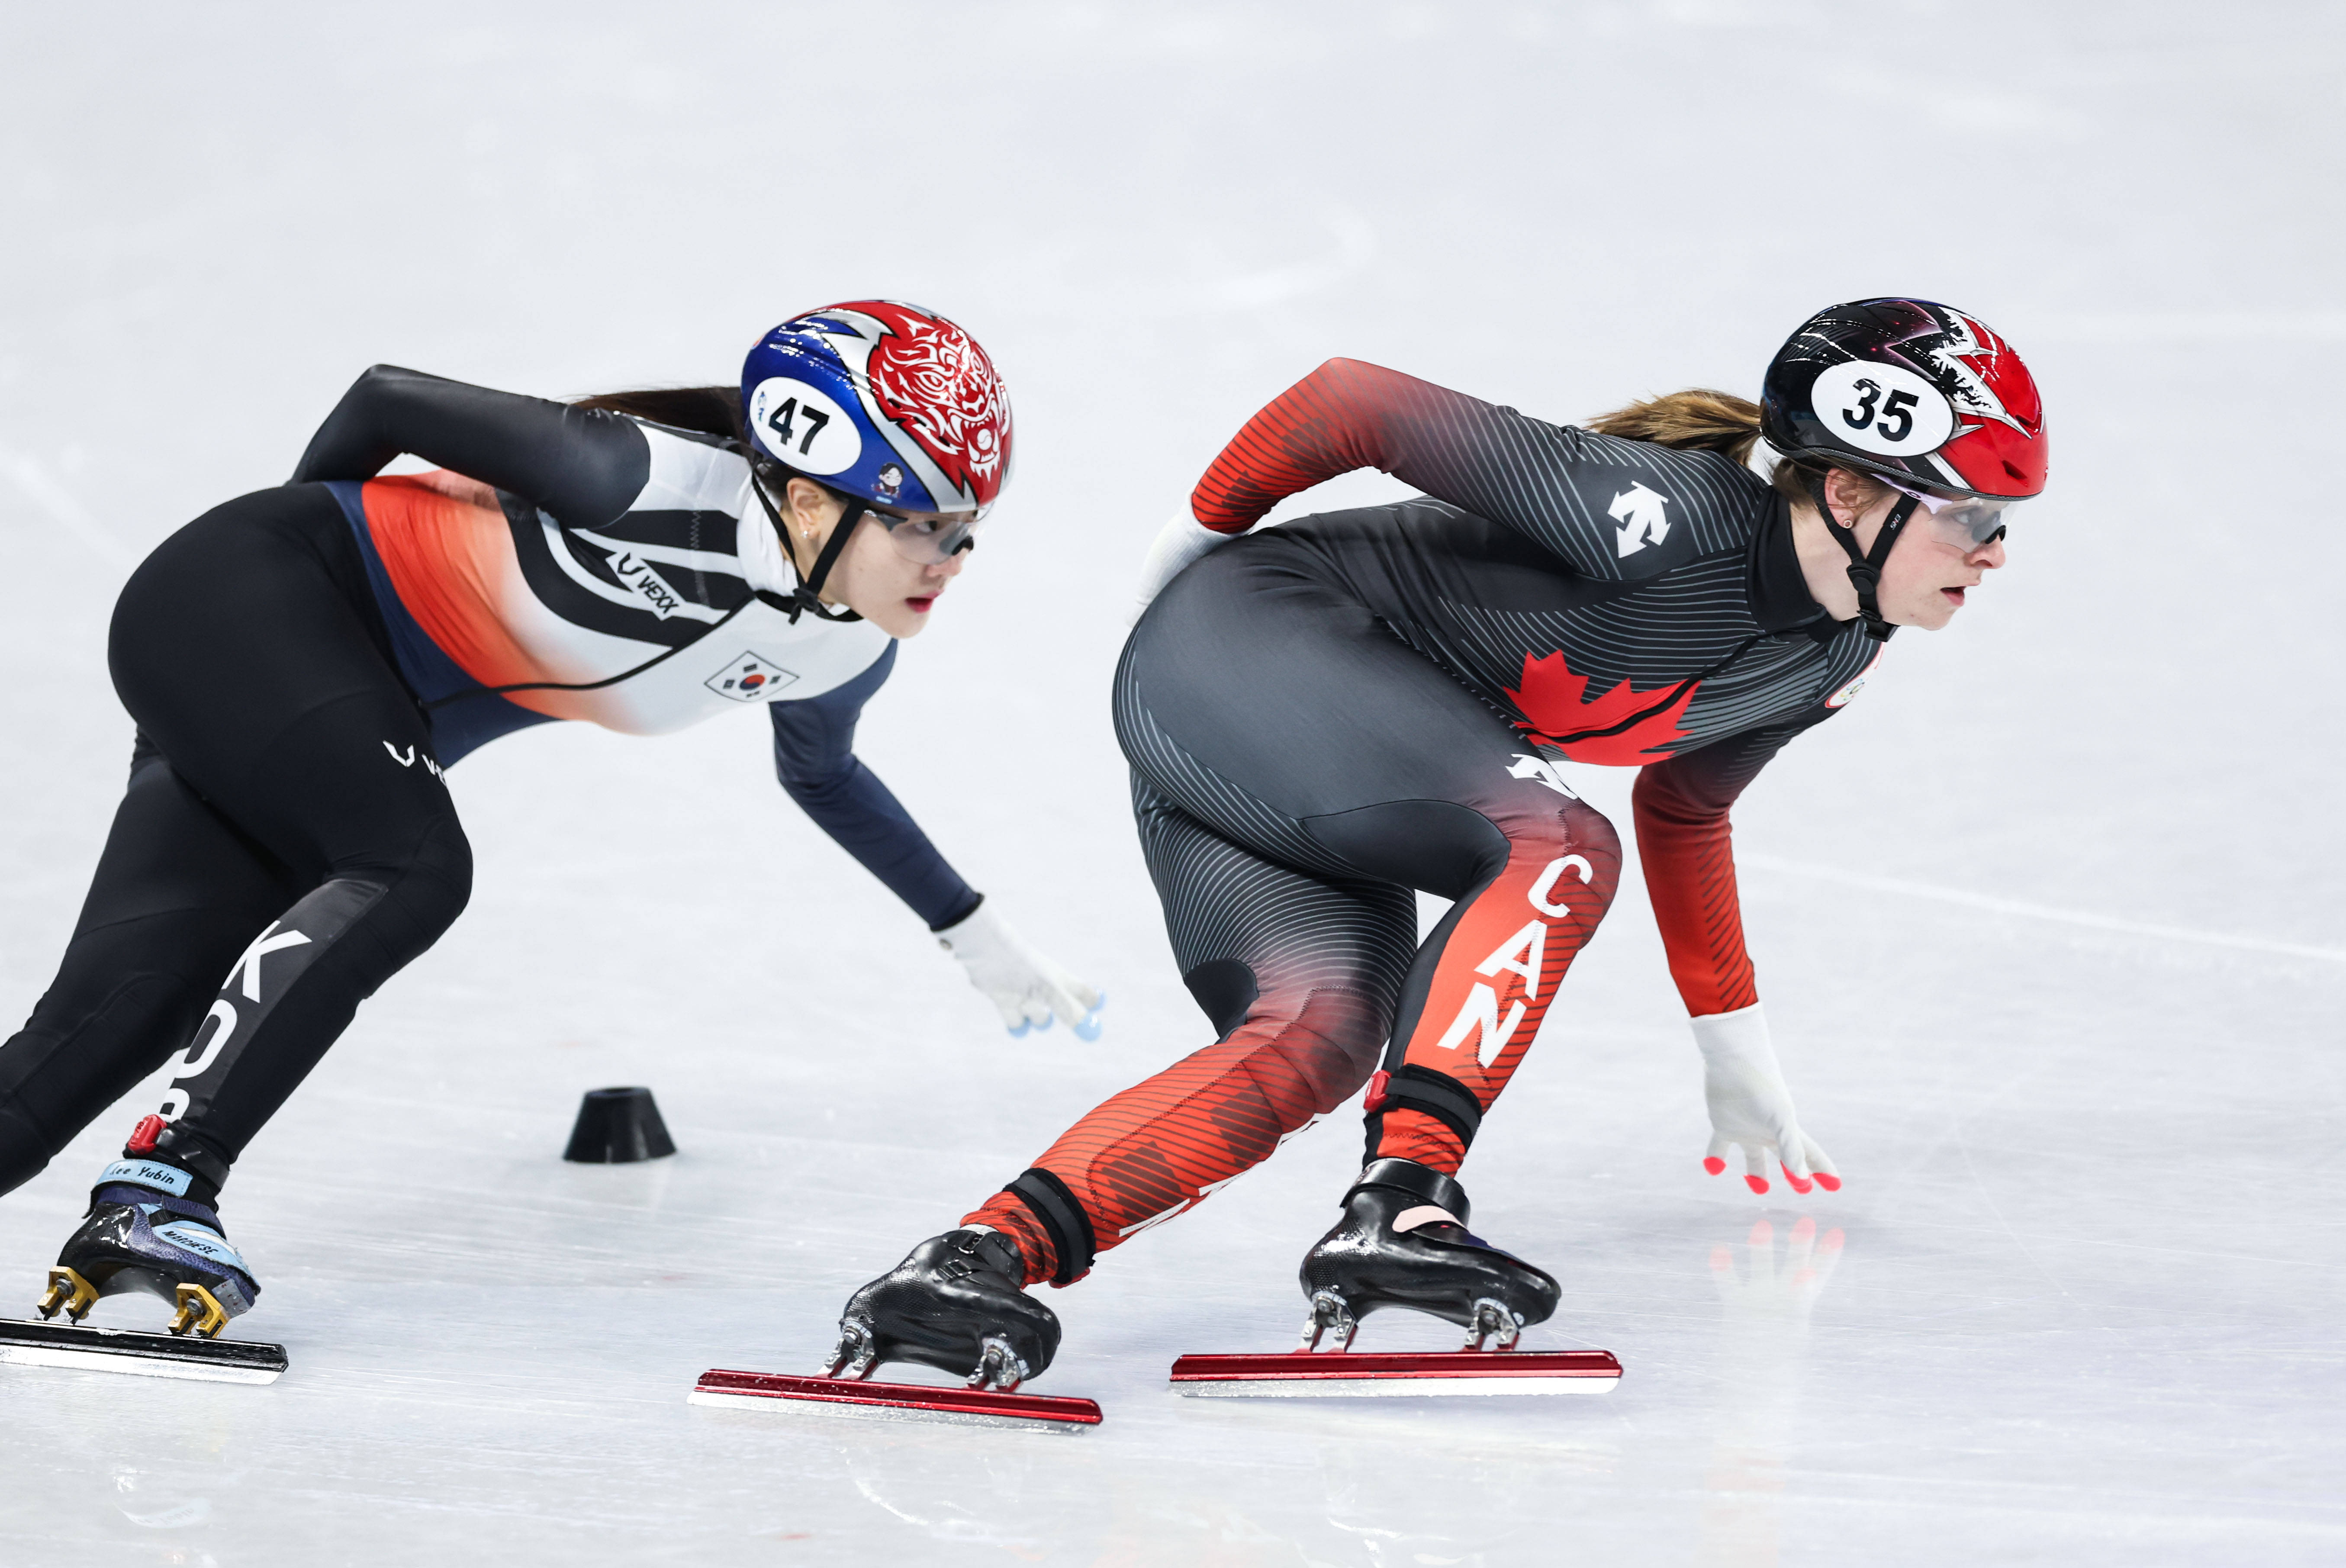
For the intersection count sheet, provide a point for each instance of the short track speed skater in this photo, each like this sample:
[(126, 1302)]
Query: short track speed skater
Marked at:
[(151, 1227), (955, 1303), (1404, 1242)]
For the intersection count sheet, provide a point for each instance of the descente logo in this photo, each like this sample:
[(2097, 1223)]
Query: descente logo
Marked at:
[(636, 573)]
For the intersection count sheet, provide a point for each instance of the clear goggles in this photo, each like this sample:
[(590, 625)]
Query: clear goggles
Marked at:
[(927, 537), (1968, 523)]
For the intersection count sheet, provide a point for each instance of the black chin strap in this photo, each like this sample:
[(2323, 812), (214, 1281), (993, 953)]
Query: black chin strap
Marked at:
[(1865, 568), (807, 599)]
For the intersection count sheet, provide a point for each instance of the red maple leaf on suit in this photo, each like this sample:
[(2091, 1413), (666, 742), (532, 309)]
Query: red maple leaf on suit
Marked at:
[(1557, 712)]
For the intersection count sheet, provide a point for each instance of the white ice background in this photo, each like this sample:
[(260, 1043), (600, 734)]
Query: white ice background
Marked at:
[(2048, 922)]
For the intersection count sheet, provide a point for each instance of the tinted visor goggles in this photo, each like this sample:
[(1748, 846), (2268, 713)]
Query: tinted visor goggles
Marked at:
[(1968, 523), (927, 537)]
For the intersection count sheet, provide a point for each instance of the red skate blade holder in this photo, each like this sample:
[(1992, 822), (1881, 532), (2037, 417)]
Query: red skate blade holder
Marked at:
[(1355, 1374), (868, 1401)]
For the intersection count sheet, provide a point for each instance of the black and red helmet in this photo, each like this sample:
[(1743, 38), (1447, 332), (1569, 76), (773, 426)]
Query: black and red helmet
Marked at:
[(1910, 389)]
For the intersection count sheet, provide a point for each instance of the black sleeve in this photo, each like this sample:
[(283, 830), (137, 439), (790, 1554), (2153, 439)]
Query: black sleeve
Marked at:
[(815, 757), (584, 466)]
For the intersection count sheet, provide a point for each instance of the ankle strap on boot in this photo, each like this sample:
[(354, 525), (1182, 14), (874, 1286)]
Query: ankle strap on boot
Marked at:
[(1422, 1183)]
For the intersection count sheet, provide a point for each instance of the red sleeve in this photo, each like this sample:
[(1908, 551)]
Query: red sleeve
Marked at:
[(1326, 425), (1684, 839), (1553, 484)]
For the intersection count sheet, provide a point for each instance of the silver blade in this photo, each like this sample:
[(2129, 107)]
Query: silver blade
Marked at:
[(139, 1354)]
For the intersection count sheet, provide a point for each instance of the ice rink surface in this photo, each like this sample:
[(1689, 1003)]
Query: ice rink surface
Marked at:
[(2050, 922)]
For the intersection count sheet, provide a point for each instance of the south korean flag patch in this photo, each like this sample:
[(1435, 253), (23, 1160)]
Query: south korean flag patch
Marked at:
[(752, 678)]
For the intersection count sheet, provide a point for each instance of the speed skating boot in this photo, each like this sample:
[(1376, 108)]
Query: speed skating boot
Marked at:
[(957, 1303), (143, 1231), (1404, 1242)]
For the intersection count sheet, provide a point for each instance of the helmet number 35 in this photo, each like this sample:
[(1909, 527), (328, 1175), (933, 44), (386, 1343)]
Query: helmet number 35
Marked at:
[(1898, 409), (803, 426), (1882, 408)]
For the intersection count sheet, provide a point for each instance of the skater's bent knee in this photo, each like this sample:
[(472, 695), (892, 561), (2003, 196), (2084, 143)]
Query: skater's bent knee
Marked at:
[(1581, 848), (1330, 1044), (424, 890)]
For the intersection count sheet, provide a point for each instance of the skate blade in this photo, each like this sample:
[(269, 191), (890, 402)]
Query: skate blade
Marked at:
[(140, 1355), (894, 1401), (1354, 1374)]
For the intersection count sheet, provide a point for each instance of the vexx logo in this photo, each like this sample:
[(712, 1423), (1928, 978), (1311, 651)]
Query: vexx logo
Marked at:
[(636, 574)]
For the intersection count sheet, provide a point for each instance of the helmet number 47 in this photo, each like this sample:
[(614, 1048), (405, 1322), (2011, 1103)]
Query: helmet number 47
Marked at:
[(780, 422)]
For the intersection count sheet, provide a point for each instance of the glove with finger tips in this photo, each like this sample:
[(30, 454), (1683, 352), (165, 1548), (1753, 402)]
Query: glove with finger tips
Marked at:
[(1752, 1108), (1023, 984)]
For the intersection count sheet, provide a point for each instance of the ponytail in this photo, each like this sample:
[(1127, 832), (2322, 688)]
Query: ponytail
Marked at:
[(711, 410), (1702, 420), (1695, 419)]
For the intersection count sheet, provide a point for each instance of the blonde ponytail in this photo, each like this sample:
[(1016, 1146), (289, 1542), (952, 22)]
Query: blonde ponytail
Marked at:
[(1696, 420), (1702, 420)]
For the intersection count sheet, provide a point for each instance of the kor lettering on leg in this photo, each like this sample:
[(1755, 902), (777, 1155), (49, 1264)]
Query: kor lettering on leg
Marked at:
[(272, 966), (273, 939)]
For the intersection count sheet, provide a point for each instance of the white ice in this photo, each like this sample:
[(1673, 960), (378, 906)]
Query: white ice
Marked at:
[(2080, 1300)]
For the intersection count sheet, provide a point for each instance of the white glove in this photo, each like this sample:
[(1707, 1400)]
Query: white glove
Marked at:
[(1178, 544), (1027, 987), (1750, 1107)]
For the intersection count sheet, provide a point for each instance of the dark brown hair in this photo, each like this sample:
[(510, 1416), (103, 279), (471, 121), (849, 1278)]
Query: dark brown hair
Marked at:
[(711, 410)]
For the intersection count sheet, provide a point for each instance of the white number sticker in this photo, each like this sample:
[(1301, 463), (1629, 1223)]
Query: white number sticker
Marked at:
[(802, 426), (1882, 408)]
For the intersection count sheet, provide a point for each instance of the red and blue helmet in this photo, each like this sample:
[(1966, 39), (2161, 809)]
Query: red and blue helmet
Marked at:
[(883, 400), (1913, 391)]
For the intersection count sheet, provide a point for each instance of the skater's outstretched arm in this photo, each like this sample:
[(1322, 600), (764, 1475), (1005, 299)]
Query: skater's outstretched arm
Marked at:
[(1687, 844), (814, 757), (584, 466)]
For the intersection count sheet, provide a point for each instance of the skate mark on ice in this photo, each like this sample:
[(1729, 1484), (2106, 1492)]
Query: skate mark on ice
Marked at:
[(2041, 911)]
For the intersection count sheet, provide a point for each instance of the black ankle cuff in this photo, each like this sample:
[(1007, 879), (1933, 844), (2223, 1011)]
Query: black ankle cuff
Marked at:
[(174, 1145), (1428, 1093), (1063, 1217), (1422, 1183)]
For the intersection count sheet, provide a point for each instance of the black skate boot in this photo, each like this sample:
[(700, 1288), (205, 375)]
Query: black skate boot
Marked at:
[(958, 1303), (1404, 1242), (147, 1231)]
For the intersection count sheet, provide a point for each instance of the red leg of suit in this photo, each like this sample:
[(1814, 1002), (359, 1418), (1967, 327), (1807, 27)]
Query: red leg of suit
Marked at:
[(1168, 1142), (1486, 978), (1496, 966)]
